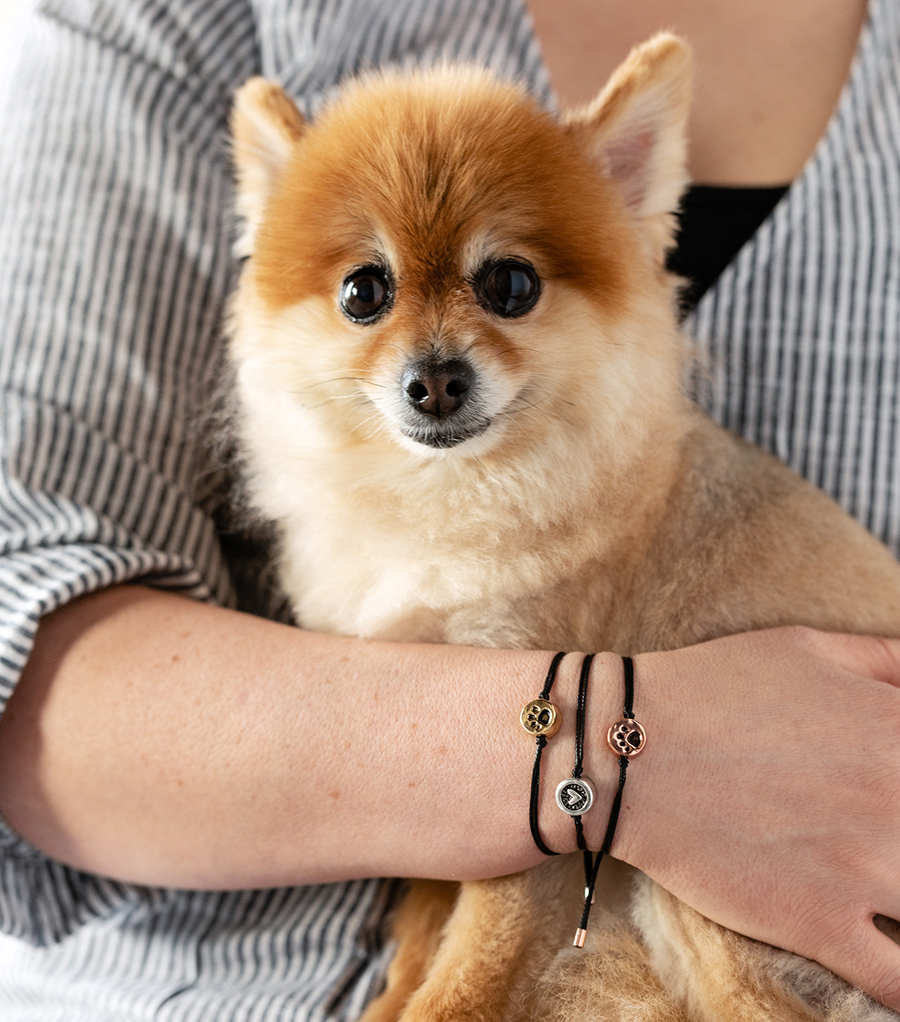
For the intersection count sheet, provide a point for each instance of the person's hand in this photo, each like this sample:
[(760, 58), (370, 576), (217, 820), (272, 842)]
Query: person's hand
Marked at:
[(768, 797)]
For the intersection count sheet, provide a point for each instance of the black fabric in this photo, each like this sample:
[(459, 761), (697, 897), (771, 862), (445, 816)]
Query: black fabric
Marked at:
[(714, 224)]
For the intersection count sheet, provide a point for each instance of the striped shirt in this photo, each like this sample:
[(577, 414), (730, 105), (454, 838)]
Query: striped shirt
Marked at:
[(115, 265)]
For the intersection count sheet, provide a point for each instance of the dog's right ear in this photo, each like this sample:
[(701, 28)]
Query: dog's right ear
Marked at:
[(635, 132), (265, 127)]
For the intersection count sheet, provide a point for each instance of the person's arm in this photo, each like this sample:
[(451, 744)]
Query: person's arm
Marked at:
[(115, 267), (166, 741)]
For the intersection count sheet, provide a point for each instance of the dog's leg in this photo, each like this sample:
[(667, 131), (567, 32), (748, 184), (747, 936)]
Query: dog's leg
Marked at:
[(417, 929), (610, 981), (500, 935), (832, 998), (715, 974)]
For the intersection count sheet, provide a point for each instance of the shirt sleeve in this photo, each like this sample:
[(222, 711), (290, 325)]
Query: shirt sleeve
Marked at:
[(115, 267)]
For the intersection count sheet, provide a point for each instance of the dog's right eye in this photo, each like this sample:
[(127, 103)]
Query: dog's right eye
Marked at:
[(366, 294)]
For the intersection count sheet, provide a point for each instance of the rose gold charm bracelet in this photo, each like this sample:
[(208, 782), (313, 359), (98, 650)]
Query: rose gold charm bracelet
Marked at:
[(626, 738)]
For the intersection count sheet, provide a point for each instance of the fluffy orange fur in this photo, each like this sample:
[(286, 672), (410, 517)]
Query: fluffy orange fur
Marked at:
[(426, 158), (596, 508)]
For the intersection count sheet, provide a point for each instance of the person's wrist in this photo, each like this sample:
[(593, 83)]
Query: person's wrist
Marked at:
[(604, 708), (557, 753), (642, 772)]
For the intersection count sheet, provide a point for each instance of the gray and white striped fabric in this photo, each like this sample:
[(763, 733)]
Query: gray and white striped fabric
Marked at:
[(115, 237), (801, 334)]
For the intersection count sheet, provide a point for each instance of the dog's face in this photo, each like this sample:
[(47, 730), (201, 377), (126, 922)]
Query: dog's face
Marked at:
[(439, 266)]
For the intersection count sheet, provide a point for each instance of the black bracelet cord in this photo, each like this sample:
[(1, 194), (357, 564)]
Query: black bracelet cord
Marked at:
[(540, 742), (628, 665), (578, 769), (591, 873)]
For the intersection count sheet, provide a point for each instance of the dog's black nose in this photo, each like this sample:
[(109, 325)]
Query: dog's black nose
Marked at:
[(438, 388)]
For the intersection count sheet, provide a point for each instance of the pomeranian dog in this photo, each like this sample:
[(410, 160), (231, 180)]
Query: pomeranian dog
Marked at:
[(459, 381)]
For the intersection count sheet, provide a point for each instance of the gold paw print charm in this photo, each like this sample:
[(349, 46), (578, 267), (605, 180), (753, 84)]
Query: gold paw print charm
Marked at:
[(541, 717)]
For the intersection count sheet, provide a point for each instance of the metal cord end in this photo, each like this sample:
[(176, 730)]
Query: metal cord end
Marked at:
[(579, 938)]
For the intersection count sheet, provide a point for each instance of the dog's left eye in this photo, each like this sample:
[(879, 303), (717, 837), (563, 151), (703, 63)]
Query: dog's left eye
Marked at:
[(509, 288), (366, 294)]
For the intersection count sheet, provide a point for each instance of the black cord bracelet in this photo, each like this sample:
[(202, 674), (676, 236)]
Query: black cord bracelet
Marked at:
[(541, 719), (626, 739), (575, 795)]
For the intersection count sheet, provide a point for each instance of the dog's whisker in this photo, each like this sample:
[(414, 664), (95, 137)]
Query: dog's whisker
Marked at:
[(377, 431), (332, 379), (376, 418)]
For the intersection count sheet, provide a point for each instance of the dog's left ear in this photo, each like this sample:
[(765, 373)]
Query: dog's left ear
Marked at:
[(265, 127), (635, 131)]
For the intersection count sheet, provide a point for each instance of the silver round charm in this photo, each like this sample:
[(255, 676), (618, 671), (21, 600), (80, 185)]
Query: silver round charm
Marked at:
[(575, 795)]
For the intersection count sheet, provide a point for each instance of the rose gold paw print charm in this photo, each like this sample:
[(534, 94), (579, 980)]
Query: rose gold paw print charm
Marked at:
[(626, 738)]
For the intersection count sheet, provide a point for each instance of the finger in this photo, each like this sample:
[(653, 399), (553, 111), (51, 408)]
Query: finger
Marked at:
[(872, 963), (886, 661), (864, 655)]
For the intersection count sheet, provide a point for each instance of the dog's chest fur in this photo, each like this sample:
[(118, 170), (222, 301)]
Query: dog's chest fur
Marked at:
[(436, 568)]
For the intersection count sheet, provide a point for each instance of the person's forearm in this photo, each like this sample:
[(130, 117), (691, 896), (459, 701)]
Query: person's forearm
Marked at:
[(163, 741), (168, 742)]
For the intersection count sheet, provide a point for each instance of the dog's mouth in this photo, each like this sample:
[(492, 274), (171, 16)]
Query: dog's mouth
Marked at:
[(444, 435)]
